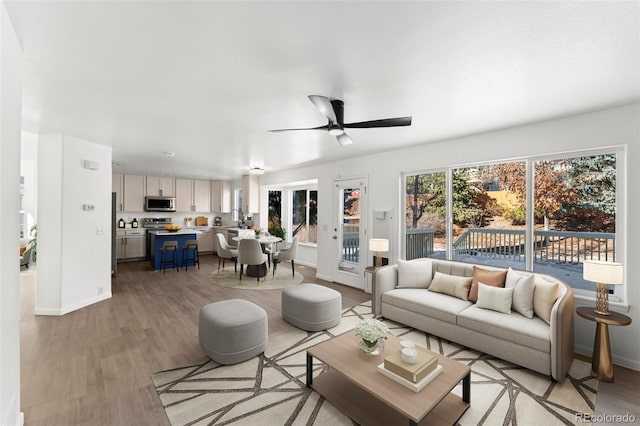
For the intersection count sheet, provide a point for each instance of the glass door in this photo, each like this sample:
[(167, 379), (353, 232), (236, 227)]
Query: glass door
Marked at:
[(350, 231)]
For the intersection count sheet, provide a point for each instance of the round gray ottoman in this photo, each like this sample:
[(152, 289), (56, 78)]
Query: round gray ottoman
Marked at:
[(233, 330), (311, 307)]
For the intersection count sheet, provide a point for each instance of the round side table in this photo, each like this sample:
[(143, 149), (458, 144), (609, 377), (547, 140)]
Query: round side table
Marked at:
[(601, 364)]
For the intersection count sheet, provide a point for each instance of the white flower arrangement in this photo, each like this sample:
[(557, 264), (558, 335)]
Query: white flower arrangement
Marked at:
[(371, 330)]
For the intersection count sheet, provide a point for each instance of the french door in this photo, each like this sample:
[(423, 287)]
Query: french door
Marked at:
[(350, 231)]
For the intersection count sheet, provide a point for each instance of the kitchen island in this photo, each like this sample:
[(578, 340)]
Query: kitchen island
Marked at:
[(157, 239)]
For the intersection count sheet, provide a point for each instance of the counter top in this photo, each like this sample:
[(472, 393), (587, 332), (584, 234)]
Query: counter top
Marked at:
[(162, 232)]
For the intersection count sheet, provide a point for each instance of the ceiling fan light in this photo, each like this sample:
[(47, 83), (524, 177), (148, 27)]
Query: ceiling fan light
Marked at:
[(336, 131)]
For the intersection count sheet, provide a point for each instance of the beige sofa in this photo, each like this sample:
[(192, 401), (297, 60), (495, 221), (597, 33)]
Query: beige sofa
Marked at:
[(541, 344)]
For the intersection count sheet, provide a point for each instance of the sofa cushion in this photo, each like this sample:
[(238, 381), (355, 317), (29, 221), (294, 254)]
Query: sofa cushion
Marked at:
[(492, 278), (414, 273), (424, 302), (452, 285), (533, 333), (523, 286), (545, 295), (494, 298)]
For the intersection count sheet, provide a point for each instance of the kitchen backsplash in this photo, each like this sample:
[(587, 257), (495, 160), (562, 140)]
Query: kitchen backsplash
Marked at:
[(178, 218)]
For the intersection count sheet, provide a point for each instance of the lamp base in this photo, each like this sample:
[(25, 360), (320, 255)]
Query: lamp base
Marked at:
[(378, 259), (602, 299)]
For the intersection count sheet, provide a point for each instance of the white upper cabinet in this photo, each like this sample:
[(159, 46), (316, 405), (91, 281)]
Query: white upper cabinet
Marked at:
[(193, 195), (251, 193), (161, 186), (133, 193), (117, 186), (201, 195), (221, 196)]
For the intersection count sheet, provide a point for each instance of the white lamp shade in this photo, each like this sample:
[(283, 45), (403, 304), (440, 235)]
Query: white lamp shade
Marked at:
[(378, 244), (602, 272)]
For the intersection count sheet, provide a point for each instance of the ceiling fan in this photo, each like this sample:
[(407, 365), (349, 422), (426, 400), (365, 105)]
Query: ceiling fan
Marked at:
[(333, 109)]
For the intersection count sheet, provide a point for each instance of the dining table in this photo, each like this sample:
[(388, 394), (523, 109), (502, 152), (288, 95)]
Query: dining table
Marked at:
[(265, 241)]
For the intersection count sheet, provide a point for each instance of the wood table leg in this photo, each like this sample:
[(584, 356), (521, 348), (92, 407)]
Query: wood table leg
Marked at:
[(601, 364)]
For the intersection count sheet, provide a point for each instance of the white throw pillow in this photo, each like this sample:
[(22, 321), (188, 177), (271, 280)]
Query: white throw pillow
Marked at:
[(523, 287), (452, 285), (544, 296), (494, 298), (414, 273)]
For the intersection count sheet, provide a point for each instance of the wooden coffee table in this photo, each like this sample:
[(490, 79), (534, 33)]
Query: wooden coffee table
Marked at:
[(354, 386)]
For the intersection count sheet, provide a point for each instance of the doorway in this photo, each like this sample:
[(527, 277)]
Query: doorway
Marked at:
[(350, 231)]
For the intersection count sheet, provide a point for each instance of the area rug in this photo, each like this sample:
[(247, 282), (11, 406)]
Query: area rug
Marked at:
[(282, 279), (270, 389)]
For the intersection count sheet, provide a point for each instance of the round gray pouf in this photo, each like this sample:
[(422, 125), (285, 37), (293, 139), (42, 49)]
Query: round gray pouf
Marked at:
[(311, 307), (233, 330)]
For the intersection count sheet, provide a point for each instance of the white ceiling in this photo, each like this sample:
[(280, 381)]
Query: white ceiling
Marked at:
[(206, 80)]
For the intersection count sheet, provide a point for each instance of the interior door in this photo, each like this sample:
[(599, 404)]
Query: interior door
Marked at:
[(350, 231)]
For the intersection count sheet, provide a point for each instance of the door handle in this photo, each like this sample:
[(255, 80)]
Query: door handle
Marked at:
[(335, 237)]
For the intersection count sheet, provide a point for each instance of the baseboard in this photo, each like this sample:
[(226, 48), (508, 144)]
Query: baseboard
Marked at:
[(71, 308), (617, 360), (21, 419), (310, 265), (324, 277)]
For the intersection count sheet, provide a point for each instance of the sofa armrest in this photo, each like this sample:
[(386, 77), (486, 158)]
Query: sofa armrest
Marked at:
[(562, 334), (384, 279)]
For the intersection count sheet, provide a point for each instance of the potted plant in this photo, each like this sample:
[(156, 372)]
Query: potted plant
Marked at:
[(33, 242)]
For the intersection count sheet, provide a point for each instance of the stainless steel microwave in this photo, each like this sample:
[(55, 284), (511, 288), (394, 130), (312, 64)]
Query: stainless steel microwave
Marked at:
[(160, 204)]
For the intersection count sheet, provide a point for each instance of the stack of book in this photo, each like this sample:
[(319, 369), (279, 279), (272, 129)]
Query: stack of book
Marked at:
[(413, 376)]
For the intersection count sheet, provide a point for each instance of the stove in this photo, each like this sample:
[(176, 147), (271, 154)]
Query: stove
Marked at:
[(151, 223), (156, 222)]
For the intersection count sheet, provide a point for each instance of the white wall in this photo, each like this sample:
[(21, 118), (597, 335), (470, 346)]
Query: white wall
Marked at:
[(616, 126), (10, 120), (74, 267)]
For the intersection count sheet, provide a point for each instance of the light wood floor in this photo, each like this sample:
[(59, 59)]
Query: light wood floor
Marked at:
[(94, 366)]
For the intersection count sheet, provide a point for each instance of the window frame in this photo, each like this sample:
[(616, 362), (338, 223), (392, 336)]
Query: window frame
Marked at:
[(619, 295)]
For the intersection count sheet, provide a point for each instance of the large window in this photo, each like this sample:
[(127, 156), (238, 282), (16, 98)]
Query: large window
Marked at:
[(304, 215), (542, 214)]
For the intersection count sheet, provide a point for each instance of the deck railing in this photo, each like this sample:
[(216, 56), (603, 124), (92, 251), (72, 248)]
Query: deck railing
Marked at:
[(351, 247), (420, 242), (550, 246)]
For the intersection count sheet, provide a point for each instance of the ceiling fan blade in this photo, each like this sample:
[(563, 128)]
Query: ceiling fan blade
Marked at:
[(324, 106), (385, 122), (344, 139), (325, 127)]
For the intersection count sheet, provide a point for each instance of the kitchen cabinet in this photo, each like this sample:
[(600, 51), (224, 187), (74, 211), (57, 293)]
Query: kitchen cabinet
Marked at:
[(221, 196), (117, 186), (205, 240), (130, 190), (251, 193), (193, 195), (163, 186), (131, 244)]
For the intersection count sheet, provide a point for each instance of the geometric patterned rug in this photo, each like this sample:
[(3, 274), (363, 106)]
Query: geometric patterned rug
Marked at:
[(270, 389)]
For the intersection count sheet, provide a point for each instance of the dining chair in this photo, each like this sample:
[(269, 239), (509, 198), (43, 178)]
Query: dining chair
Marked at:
[(250, 254), (288, 253), (226, 252)]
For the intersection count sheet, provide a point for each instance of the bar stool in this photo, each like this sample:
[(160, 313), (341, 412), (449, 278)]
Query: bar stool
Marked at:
[(190, 254), (169, 248)]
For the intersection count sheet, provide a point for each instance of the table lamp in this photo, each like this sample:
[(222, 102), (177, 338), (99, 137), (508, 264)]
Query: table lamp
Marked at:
[(378, 245), (603, 274)]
